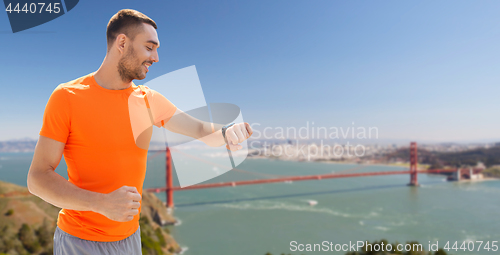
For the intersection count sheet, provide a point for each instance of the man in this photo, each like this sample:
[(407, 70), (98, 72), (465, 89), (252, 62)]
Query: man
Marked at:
[(102, 124)]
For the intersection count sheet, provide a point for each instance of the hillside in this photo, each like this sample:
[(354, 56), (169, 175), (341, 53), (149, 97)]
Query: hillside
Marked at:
[(27, 223), (489, 156)]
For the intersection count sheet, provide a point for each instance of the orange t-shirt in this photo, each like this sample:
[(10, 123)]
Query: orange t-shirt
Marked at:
[(100, 128)]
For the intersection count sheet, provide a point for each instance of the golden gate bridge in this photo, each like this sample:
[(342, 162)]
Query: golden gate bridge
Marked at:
[(412, 171)]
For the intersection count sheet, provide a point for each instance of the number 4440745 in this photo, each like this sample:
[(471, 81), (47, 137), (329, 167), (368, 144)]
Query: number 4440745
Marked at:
[(469, 245), (32, 8)]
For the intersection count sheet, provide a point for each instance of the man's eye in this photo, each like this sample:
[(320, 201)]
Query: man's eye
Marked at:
[(149, 48)]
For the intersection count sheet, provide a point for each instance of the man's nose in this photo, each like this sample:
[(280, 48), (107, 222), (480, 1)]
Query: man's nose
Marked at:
[(155, 57)]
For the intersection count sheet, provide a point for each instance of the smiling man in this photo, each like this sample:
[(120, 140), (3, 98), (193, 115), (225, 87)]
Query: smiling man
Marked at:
[(102, 123)]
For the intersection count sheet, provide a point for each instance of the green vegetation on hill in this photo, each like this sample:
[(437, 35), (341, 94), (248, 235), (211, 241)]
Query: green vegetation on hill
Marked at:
[(155, 241), (492, 172), (489, 157), (27, 224), (26, 239)]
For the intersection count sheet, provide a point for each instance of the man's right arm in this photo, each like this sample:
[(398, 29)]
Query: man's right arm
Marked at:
[(119, 205)]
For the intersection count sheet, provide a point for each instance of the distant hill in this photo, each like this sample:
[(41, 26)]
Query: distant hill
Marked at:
[(27, 223), (28, 145), (20, 145), (489, 157)]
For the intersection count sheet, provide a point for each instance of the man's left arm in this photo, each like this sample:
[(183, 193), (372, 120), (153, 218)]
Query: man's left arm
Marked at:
[(166, 114)]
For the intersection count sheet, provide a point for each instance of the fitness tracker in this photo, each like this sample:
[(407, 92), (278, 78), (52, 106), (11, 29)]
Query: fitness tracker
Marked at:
[(224, 128)]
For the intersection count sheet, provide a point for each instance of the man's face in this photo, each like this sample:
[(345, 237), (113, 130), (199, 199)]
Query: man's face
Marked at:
[(139, 55)]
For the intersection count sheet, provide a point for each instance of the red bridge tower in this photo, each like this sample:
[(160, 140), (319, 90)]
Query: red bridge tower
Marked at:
[(413, 164)]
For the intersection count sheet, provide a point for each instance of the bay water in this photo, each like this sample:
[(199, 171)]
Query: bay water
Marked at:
[(255, 219)]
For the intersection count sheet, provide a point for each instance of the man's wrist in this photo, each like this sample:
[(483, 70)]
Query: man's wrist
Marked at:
[(96, 201), (224, 128)]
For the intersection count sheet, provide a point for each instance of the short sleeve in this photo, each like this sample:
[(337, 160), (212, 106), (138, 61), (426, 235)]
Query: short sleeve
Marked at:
[(56, 118), (162, 108)]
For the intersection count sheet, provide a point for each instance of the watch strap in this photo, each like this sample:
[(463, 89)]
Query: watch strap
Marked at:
[(224, 128)]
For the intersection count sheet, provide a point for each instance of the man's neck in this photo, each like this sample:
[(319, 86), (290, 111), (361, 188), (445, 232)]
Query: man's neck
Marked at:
[(107, 76)]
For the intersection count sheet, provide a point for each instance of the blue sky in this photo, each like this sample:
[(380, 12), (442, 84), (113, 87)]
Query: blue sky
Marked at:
[(421, 70)]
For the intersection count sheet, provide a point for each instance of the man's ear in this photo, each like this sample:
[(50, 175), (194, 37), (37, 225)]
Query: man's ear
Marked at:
[(121, 39)]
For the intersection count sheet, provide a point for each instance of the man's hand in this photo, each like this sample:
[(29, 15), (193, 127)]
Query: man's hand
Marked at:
[(236, 134), (121, 204)]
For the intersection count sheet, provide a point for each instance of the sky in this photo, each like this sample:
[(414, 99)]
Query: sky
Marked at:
[(416, 70)]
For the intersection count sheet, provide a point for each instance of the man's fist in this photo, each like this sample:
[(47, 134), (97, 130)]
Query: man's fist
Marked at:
[(236, 134), (121, 204)]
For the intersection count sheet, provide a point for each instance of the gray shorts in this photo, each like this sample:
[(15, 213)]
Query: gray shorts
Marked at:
[(66, 244)]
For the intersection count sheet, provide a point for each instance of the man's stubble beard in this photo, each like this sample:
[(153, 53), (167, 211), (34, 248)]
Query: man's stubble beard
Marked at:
[(126, 67)]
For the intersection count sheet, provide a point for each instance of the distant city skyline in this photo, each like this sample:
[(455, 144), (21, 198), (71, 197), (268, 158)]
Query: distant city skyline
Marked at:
[(424, 71)]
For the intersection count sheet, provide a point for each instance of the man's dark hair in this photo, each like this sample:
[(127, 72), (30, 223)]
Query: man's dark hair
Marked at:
[(128, 22)]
